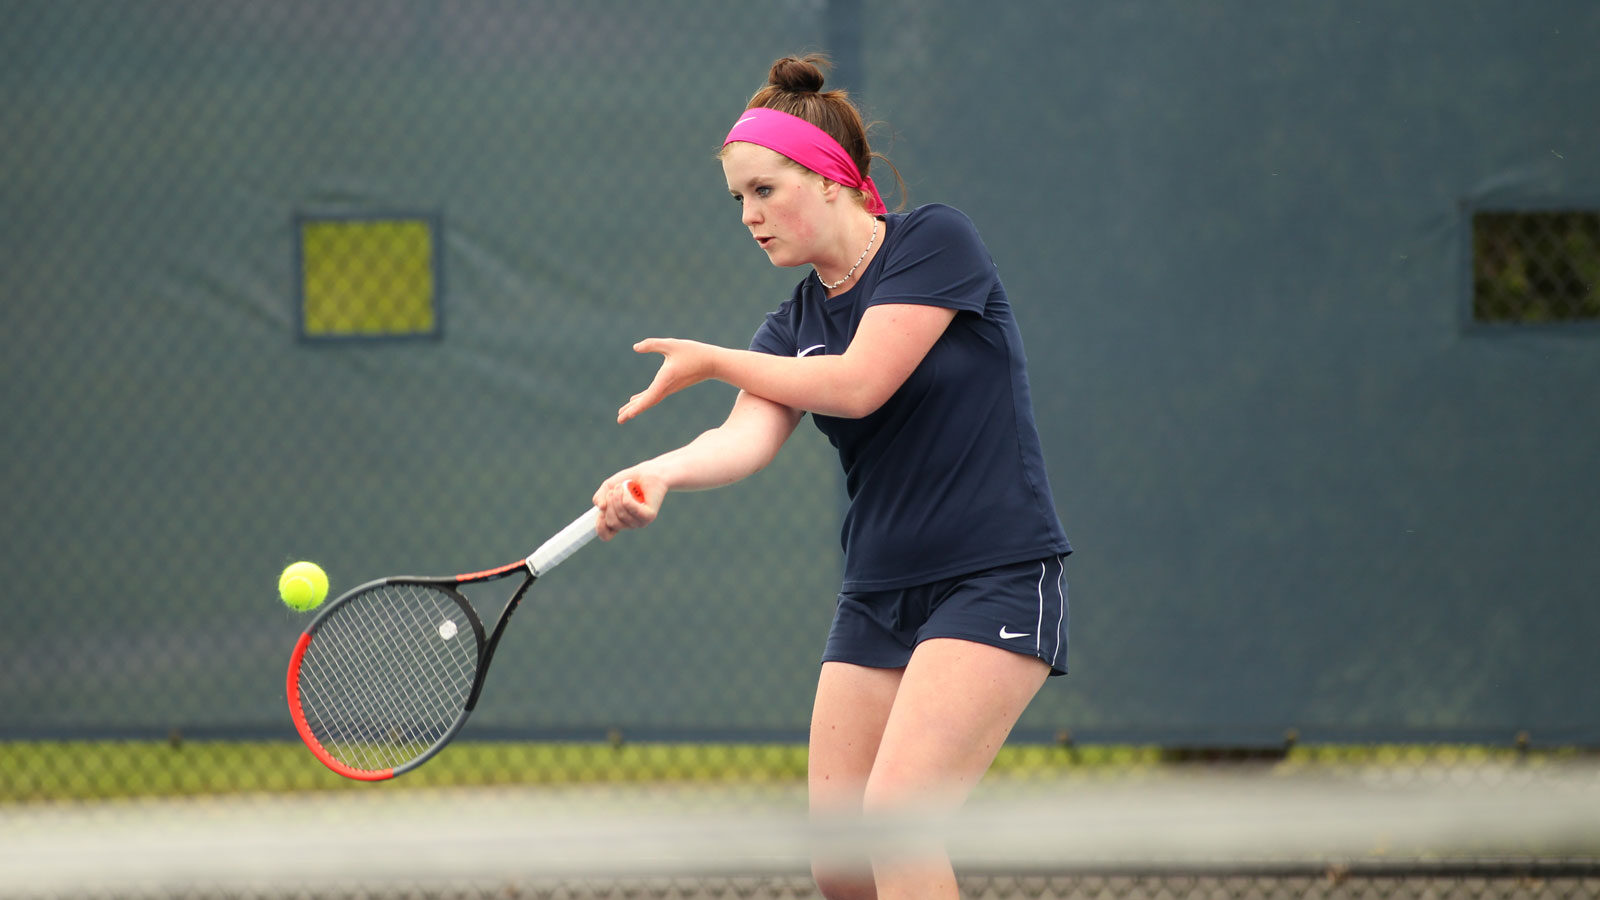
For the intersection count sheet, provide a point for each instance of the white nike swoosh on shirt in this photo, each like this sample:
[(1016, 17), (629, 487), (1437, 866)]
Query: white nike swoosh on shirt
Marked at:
[(1008, 634), (811, 349)]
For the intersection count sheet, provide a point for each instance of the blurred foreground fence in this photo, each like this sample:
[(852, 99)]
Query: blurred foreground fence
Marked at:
[(698, 821)]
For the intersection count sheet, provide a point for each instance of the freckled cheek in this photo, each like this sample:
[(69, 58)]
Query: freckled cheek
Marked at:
[(798, 228)]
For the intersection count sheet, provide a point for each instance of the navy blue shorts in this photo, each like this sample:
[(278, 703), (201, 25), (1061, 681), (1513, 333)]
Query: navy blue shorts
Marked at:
[(1020, 607)]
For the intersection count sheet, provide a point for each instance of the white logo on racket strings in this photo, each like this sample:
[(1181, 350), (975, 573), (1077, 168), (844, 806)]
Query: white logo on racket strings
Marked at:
[(447, 629), (1008, 634)]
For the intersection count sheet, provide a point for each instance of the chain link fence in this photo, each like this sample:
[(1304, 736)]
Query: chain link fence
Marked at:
[(663, 821), (357, 283), (1536, 266), (1530, 883)]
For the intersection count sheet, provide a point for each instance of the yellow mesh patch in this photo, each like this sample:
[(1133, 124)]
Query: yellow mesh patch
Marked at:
[(368, 278)]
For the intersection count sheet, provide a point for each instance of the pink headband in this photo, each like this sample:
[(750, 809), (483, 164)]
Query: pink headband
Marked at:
[(807, 145)]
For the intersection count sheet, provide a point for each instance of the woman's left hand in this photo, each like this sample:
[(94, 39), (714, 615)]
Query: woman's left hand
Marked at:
[(684, 364)]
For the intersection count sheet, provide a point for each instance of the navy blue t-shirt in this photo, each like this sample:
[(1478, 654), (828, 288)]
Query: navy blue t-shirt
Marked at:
[(947, 477)]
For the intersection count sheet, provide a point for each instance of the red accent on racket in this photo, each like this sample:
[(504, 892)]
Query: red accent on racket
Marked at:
[(387, 674)]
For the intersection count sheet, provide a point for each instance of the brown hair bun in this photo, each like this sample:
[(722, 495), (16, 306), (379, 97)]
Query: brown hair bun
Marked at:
[(798, 76)]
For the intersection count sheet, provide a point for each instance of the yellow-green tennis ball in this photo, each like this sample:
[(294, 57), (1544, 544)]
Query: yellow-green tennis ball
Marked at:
[(303, 586)]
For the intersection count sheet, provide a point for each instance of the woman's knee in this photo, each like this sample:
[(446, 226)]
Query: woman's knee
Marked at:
[(839, 882)]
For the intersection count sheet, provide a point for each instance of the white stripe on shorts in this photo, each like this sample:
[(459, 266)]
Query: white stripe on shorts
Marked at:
[(1038, 630), (1061, 611)]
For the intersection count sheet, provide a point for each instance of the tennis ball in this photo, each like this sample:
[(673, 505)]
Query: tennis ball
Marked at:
[(303, 586)]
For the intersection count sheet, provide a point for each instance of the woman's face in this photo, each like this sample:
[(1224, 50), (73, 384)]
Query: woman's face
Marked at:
[(781, 203)]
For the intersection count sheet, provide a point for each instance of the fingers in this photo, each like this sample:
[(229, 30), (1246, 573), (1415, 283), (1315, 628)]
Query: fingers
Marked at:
[(625, 503), (651, 395), (683, 363), (638, 403)]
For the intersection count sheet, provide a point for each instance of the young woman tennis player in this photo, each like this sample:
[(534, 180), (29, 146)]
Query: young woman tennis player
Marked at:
[(902, 346)]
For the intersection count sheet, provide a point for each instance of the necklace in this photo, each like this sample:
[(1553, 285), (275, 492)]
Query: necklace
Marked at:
[(863, 255)]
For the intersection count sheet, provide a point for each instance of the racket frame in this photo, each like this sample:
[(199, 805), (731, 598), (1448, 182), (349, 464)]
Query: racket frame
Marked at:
[(550, 554), (486, 644)]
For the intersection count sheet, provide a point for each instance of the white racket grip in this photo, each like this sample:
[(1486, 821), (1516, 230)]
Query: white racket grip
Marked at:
[(566, 542)]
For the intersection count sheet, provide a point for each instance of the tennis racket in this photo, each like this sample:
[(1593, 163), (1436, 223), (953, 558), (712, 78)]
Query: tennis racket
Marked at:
[(387, 674)]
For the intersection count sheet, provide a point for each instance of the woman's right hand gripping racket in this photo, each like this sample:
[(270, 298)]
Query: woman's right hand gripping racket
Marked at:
[(388, 673)]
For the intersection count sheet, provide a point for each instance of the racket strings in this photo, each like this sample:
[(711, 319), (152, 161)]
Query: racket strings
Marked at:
[(388, 674), (420, 691), (389, 695)]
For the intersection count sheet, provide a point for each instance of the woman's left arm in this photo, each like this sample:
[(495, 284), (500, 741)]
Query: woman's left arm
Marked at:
[(889, 343)]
